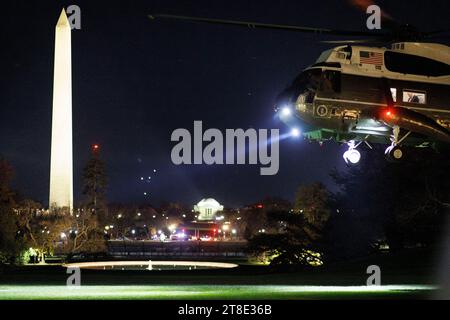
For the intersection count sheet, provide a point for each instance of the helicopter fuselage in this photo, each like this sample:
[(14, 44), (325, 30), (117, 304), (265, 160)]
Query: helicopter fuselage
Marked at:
[(362, 93)]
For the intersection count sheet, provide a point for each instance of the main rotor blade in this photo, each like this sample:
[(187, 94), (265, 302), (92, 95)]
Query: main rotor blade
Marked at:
[(356, 41), (254, 25)]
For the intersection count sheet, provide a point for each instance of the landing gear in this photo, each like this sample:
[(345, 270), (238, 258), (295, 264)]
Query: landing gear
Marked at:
[(394, 153), (352, 156)]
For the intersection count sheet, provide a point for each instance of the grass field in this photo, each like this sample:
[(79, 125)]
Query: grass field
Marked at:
[(401, 278), (201, 292)]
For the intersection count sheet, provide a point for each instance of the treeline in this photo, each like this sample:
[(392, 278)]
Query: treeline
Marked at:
[(379, 205)]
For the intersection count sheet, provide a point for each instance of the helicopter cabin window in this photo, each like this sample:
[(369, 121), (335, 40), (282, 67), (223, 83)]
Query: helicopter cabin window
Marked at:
[(394, 94), (414, 97), (412, 64)]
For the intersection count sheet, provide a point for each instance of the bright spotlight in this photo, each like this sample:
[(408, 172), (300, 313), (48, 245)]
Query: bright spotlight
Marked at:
[(286, 111), (295, 132)]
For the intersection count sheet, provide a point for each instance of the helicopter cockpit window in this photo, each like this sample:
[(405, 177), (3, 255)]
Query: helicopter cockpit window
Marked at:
[(308, 80), (331, 81), (414, 97)]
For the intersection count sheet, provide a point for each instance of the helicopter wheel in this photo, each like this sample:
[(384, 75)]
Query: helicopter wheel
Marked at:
[(351, 157), (394, 153)]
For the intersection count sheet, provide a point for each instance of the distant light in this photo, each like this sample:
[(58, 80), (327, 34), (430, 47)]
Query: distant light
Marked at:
[(286, 111), (225, 227), (133, 231), (139, 214), (95, 146), (145, 193), (142, 178), (172, 227), (154, 170), (184, 216), (159, 231), (63, 235), (233, 231), (154, 216), (295, 132), (119, 215)]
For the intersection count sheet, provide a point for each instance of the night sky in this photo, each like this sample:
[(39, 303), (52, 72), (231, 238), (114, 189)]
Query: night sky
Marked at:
[(135, 81)]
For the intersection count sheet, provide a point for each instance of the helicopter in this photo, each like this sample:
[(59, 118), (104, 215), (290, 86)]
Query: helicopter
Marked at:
[(397, 95)]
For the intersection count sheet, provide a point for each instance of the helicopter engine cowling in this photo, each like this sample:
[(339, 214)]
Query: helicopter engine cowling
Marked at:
[(412, 121)]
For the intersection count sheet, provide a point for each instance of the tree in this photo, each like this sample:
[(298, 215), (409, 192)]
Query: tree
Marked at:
[(404, 203), (295, 236), (10, 247), (42, 231), (85, 234), (313, 202), (252, 219), (94, 185)]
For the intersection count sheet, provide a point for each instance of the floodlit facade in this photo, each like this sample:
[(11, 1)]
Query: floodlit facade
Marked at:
[(61, 166), (207, 209)]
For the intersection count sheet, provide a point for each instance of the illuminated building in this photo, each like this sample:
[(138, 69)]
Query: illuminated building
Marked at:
[(207, 209)]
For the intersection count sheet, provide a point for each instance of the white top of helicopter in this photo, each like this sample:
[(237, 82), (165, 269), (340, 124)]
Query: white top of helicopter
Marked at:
[(373, 64), (435, 51)]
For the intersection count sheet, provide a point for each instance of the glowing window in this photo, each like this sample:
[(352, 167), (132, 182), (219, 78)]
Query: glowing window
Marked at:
[(394, 94), (414, 97)]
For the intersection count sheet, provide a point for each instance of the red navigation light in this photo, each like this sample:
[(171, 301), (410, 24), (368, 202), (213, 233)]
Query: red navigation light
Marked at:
[(389, 113), (259, 206), (95, 146)]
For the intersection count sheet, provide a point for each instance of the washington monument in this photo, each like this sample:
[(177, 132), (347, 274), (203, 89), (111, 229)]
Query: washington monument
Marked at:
[(61, 166)]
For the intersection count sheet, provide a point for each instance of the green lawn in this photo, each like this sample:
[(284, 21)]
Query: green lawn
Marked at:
[(43, 292), (408, 276)]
